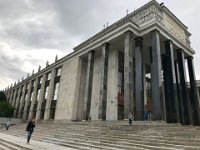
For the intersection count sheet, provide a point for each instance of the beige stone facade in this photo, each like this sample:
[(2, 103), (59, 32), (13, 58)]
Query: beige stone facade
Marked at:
[(117, 71)]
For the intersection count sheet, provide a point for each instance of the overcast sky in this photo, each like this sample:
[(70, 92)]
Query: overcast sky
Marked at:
[(32, 32)]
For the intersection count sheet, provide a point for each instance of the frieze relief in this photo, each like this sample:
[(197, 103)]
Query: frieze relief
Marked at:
[(173, 27), (146, 15), (152, 13)]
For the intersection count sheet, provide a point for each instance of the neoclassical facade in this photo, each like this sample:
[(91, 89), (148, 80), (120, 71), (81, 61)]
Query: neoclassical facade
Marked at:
[(133, 65)]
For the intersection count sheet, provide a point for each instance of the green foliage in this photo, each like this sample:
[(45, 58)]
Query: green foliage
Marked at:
[(2, 96), (6, 110)]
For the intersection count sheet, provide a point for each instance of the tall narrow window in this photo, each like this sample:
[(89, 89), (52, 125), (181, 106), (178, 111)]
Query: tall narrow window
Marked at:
[(55, 96), (49, 76), (40, 80), (46, 92), (58, 72)]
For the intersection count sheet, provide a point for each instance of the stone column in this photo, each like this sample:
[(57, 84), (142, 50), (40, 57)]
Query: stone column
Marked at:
[(169, 83), (139, 91), (41, 97), (50, 95), (33, 99), (17, 102), (22, 101), (128, 74), (14, 98), (112, 93), (156, 82), (27, 101), (103, 82), (179, 96), (185, 108), (194, 98), (11, 95), (88, 86)]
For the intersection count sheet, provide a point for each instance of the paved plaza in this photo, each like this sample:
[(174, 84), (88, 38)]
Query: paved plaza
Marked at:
[(107, 135)]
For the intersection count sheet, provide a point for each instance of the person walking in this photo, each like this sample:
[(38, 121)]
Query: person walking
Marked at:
[(8, 124), (130, 118), (146, 115), (30, 128)]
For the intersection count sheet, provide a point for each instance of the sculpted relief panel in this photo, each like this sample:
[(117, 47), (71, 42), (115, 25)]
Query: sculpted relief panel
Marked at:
[(152, 13), (173, 27)]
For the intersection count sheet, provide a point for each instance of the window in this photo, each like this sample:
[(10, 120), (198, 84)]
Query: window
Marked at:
[(31, 96), (40, 80), (25, 97), (38, 95), (58, 72), (23, 88), (46, 92), (27, 86), (20, 99), (120, 82), (33, 83), (55, 95), (48, 76)]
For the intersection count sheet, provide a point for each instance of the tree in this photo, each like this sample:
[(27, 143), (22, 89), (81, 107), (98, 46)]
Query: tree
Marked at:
[(6, 110), (2, 96)]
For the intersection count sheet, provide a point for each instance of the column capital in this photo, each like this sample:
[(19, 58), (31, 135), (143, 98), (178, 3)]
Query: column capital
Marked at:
[(168, 41), (139, 38), (106, 44), (189, 57), (91, 51), (155, 30), (128, 31), (138, 41), (179, 50)]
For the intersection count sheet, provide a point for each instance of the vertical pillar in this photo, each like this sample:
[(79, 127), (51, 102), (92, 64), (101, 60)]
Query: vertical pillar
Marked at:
[(170, 83), (17, 101), (139, 91), (103, 82), (11, 95), (50, 95), (27, 101), (156, 82), (185, 108), (128, 74), (14, 97), (88, 86), (33, 99), (194, 95), (22, 101), (179, 96), (41, 96), (112, 92)]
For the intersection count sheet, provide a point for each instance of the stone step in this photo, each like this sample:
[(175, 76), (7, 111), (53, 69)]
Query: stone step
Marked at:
[(2, 147), (117, 136), (34, 144), (127, 137), (121, 142), (8, 145), (136, 136)]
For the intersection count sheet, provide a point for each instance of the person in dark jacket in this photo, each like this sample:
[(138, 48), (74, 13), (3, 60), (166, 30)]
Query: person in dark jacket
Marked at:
[(30, 128)]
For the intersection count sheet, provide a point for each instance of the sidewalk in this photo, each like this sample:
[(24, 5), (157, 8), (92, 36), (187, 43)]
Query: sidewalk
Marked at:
[(34, 144)]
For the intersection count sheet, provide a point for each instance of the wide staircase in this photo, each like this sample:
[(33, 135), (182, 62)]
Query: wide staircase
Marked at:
[(103, 135)]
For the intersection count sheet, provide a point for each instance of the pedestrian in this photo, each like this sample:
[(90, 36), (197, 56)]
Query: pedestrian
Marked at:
[(8, 124), (130, 118), (89, 118), (30, 128), (146, 115)]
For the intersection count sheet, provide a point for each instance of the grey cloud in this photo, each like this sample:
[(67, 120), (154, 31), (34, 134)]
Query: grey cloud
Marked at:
[(62, 24), (11, 67)]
